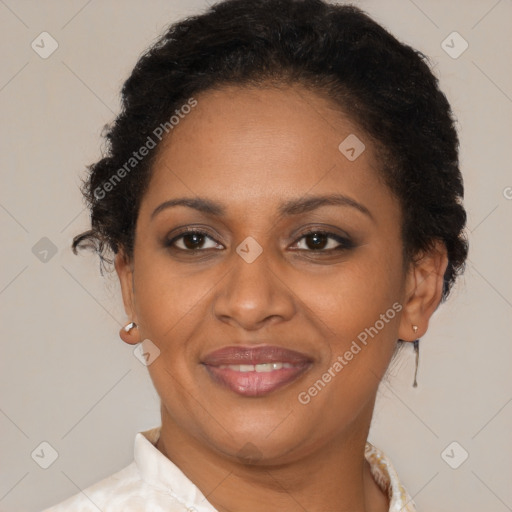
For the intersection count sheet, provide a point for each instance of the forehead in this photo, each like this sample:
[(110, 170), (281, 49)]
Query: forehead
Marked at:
[(263, 145)]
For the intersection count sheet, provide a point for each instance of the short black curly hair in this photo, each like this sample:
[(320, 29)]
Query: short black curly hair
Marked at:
[(338, 51)]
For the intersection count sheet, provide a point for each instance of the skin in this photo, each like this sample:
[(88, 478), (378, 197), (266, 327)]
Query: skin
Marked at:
[(250, 150)]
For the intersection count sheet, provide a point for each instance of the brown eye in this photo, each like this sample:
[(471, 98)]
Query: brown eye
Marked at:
[(192, 241), (322, 241), (316, 240)]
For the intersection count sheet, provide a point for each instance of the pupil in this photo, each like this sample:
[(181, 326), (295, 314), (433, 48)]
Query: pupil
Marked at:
[(194, 244), (317, 243)]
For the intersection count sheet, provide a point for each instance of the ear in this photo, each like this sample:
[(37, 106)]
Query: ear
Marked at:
[(424, 288), (124, 269)]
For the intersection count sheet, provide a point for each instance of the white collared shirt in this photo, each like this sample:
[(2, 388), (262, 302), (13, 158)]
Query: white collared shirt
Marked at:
[(153, 482)]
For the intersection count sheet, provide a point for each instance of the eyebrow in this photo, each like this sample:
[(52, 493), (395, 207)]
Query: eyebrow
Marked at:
[(290, 207)]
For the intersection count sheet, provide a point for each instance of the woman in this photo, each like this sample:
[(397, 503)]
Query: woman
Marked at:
[(282, 200)]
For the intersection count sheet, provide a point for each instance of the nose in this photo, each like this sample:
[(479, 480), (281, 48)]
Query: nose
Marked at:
[(254, 294)]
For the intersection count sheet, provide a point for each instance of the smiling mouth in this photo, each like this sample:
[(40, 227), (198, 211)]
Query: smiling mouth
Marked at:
[(259, 368), (255, 371)]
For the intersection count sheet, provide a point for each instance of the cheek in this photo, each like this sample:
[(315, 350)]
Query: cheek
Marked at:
[(354, 293), (166, 296), (359, 307)]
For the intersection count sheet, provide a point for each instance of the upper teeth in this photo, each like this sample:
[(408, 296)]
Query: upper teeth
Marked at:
[(263, 367)]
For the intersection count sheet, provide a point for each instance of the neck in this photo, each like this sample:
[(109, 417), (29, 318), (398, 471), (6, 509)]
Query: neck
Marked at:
[(332, 477)]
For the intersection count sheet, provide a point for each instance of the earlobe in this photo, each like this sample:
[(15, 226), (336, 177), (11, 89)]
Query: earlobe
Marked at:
[(129, 333), (424, 285)]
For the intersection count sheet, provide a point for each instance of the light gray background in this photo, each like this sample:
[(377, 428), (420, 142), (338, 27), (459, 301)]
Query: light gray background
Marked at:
[(67, 379)]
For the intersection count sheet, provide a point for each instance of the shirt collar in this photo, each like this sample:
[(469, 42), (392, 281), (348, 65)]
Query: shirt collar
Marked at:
[(387, 479), (160, 472)]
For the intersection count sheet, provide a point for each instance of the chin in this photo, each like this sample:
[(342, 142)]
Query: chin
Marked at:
[(257, 440)]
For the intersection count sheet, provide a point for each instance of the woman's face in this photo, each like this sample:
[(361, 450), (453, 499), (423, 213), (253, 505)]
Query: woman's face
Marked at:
[(259, 165)]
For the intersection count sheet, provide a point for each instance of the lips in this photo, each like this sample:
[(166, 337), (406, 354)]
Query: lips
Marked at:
[(255, 371)]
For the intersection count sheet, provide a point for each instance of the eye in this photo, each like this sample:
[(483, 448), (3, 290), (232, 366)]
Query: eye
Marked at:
[(316, 240), (192, 240), (323, 241)]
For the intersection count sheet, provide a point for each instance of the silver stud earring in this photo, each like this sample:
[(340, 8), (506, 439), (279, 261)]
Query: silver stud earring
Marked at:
[(130, 326)]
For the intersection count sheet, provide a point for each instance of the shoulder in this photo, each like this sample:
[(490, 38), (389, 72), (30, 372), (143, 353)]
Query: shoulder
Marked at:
[(123, 491), (150, 482), (98, 495)]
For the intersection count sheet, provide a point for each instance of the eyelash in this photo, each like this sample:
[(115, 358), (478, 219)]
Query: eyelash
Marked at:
[(345, 243)]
